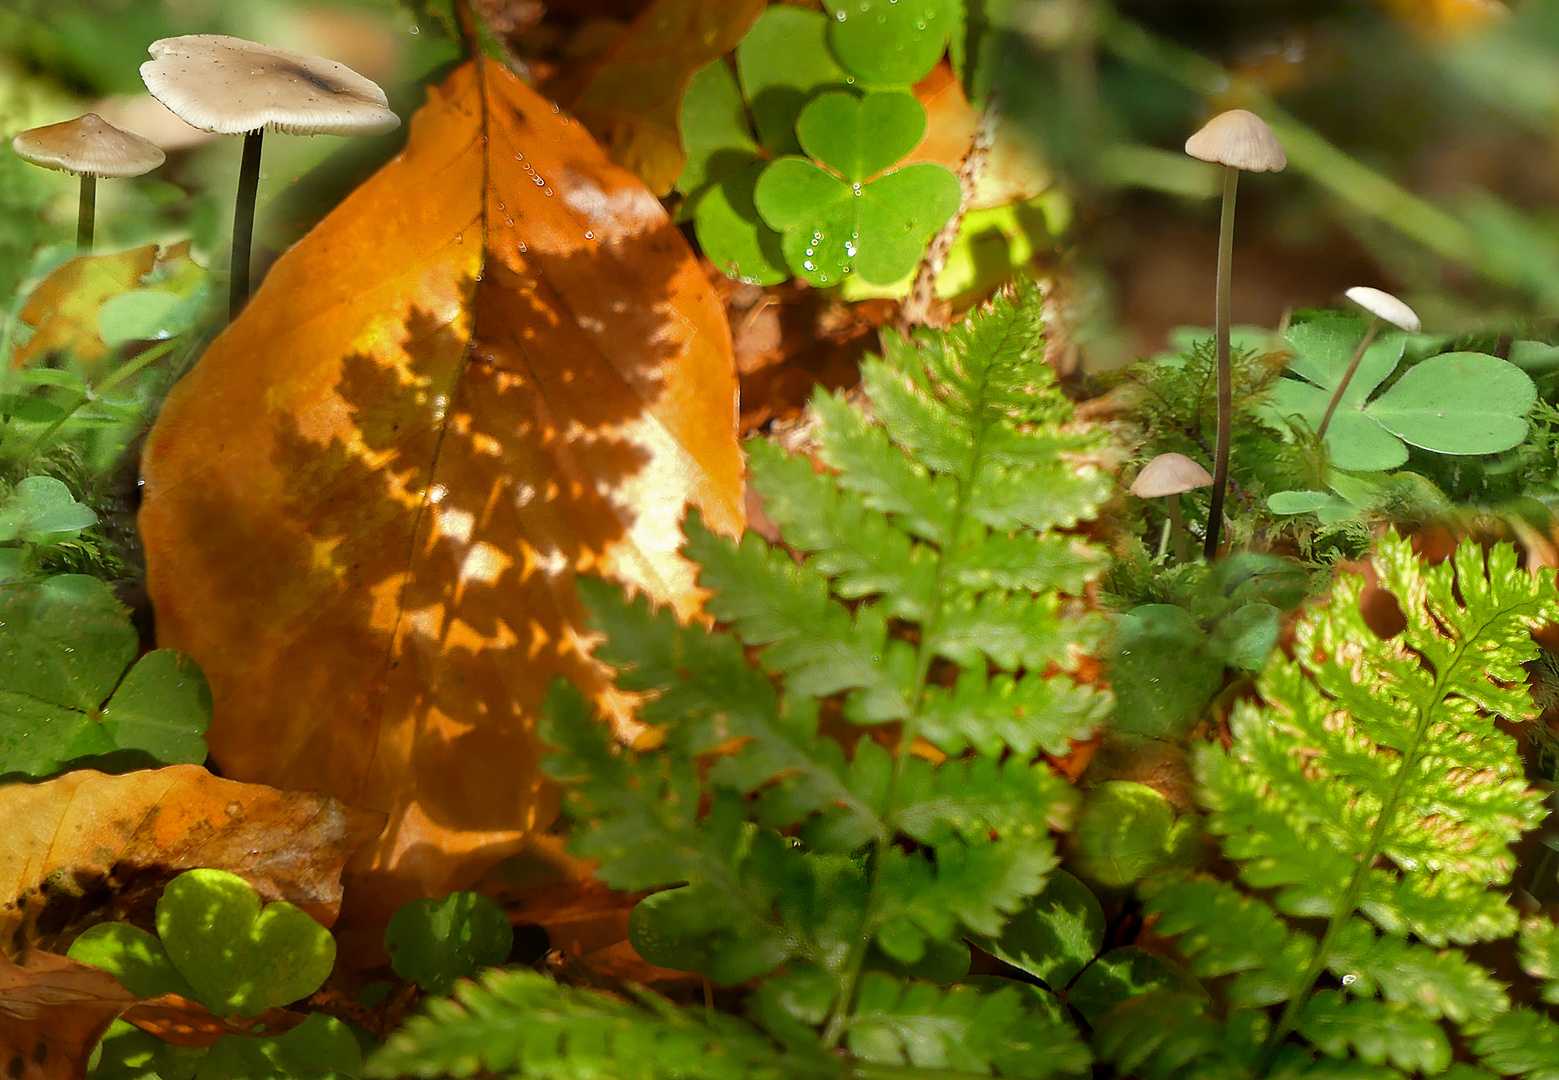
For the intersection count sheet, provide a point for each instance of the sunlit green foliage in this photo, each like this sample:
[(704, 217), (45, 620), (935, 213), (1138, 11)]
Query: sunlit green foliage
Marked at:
[(783, 816)]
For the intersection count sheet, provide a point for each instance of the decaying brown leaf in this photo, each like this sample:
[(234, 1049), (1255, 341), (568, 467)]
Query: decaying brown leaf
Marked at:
[(88, 846), (630, 98), (53, 1011), (495, 365)]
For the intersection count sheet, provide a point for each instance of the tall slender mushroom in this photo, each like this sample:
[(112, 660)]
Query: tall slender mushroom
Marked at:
[(89, 147), (1238, 140), (231, 86), (1382, 306), (1167, 477)]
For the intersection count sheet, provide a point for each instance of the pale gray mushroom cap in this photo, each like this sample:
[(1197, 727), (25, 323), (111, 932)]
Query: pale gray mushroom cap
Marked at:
[(1385, 306), (1239, 138), (1170, 474), (88, 146), (232, 87)]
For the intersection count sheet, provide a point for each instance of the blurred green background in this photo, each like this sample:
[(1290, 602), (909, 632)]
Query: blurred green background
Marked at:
[(1421, 136)]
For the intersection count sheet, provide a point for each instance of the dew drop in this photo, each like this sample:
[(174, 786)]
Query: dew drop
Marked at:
[(589, 235), (415, 30), (808, 265), (546, 191)]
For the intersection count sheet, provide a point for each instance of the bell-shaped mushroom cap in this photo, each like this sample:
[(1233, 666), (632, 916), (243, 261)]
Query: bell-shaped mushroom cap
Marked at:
[(1169, 474), (1385, 306), (231, 86), (88, 146), (1239, 138)]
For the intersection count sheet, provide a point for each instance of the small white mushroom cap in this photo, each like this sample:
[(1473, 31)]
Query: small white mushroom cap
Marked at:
[(1169, 474), (1385, 306), (232, 86), (88, 146), (1239, 138)]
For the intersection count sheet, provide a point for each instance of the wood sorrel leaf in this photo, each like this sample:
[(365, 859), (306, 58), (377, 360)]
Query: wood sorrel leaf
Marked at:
[(783, 61), (241, 957), (1458, 403), (859, 137), (889, 42)]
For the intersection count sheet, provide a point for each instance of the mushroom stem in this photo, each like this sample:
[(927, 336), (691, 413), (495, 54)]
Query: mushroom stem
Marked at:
[(1177, 530), (86, 212), (1231, 176), (243, 222), (1347, 377)]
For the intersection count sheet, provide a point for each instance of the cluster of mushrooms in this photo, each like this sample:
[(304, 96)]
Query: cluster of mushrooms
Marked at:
[(224, 85), (1241, 141)]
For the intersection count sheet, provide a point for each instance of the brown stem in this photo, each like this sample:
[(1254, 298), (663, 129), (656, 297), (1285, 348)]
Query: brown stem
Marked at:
[(917, 306), (1347, 377), (1177, 530), (86, 212), (243, 222), (1231, 177)]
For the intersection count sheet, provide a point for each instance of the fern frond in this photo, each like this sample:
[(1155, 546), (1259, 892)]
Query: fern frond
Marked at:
[(1372, 788), (1539, 951), (1020, 1033), (520, 1023), (1164, 1034), (1437, 982), (1521, 1043), (1222, 932), (923, 593), (1375, 1031)]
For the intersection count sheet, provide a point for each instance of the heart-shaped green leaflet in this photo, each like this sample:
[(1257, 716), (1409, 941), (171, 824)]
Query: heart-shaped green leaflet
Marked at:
[(1458, 403), (831, 228), (163, 707), (131, 955), (713, 125), (435, 942), (241, 957), (783, 61), (889, 42), (733, 236), (859, 137), (41, 510)]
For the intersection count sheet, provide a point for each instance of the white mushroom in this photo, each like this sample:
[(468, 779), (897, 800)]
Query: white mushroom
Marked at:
[(1238, 140), (89, 147), (231, 86), (1167, 477), (1383, 307)]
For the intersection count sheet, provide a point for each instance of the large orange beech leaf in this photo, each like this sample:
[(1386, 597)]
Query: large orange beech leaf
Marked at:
[(495, 365), (631, 96), (89, 846)]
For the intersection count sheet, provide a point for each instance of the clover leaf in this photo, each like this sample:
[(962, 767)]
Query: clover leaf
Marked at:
[(1453, 403), (835, 222), (239, 955), (67, 643), (890, 42), (435, 942), (41, 510), (783, 62)]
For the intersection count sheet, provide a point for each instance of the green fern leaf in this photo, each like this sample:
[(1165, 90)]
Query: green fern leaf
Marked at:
[(1437, 982), (1376, 1031), (1540, 956), (1164, 1034), (1222, 932), (924, 592), (1372, 788), (1521, 1043), (1414, 774), (522, 1024), (1020, 1033)]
